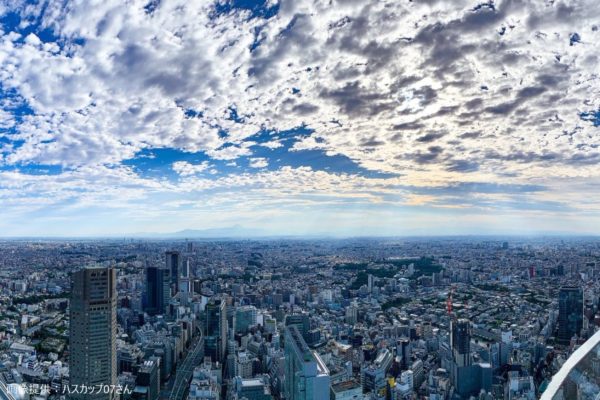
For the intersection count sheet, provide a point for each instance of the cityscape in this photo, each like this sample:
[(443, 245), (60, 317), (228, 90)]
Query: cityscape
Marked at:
[(370, 319), (300, 199)]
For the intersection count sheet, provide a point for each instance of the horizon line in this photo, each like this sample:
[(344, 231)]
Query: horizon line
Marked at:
[(167, 236)]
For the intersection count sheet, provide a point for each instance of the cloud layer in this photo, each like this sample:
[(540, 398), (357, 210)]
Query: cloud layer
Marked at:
[(433, 109)]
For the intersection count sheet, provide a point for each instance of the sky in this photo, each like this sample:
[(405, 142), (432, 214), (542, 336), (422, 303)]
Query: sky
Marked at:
[(299, 117)]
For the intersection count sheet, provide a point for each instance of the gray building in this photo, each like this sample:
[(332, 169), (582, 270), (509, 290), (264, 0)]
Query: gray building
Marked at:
[(93, 328)]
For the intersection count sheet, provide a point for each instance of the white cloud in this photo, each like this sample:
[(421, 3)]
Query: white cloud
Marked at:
[(185, 168), (258, 162), (439, 92)]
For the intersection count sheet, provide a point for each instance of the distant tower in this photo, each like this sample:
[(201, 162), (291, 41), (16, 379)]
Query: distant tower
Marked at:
[(370, 282), (460, 341), (93, 331), (173, 264), (570, 313)]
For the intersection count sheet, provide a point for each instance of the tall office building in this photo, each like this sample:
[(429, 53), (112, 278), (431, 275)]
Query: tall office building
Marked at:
[(93, 330), (215, 329), (301, 321), (184, 285), (173, 264), (148, 380), (245, 317), (352, 314), (370, 282), (158, 290), (306, 376), (403, 351), (570, 313), (460, 341)]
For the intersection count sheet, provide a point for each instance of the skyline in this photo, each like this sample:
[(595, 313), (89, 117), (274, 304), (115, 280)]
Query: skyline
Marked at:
[(238, 233), (294, 117)]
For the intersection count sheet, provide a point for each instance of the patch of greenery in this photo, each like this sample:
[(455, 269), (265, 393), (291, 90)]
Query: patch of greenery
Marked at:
[(38, 298), (351, 267), (397, 302), (492, 287), (534, 300), (423, 266)]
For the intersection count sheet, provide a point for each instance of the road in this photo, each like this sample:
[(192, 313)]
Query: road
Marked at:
[(183, 374)]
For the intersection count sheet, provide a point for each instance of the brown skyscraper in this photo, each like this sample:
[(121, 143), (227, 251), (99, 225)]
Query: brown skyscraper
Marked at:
[(93, 329)]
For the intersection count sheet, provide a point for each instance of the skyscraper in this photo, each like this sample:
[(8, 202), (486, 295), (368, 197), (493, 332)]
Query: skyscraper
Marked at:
[(570, 313), (158, 291), (403, 351), (184, 282), (93, 329), (301, 321), (215, 329), (460, 341), (245, 317), (148, 380), (173, 264), (306, 376), (352, 314)]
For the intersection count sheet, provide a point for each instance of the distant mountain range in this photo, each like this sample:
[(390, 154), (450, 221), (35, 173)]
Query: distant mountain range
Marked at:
[(236, 231)]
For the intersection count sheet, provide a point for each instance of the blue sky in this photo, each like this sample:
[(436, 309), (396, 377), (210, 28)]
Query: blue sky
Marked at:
[(299, 117)]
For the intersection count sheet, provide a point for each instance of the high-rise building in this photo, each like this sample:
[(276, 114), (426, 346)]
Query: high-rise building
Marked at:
[(184, 285), (245, 317), (173, 264), (215, 330), (352, 314), (460, 341), (148, 380), (93, 331), (370, 282), (471, 380), (306, 376), (403, 352), (158, 290), (570, 312), (301, 321)]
